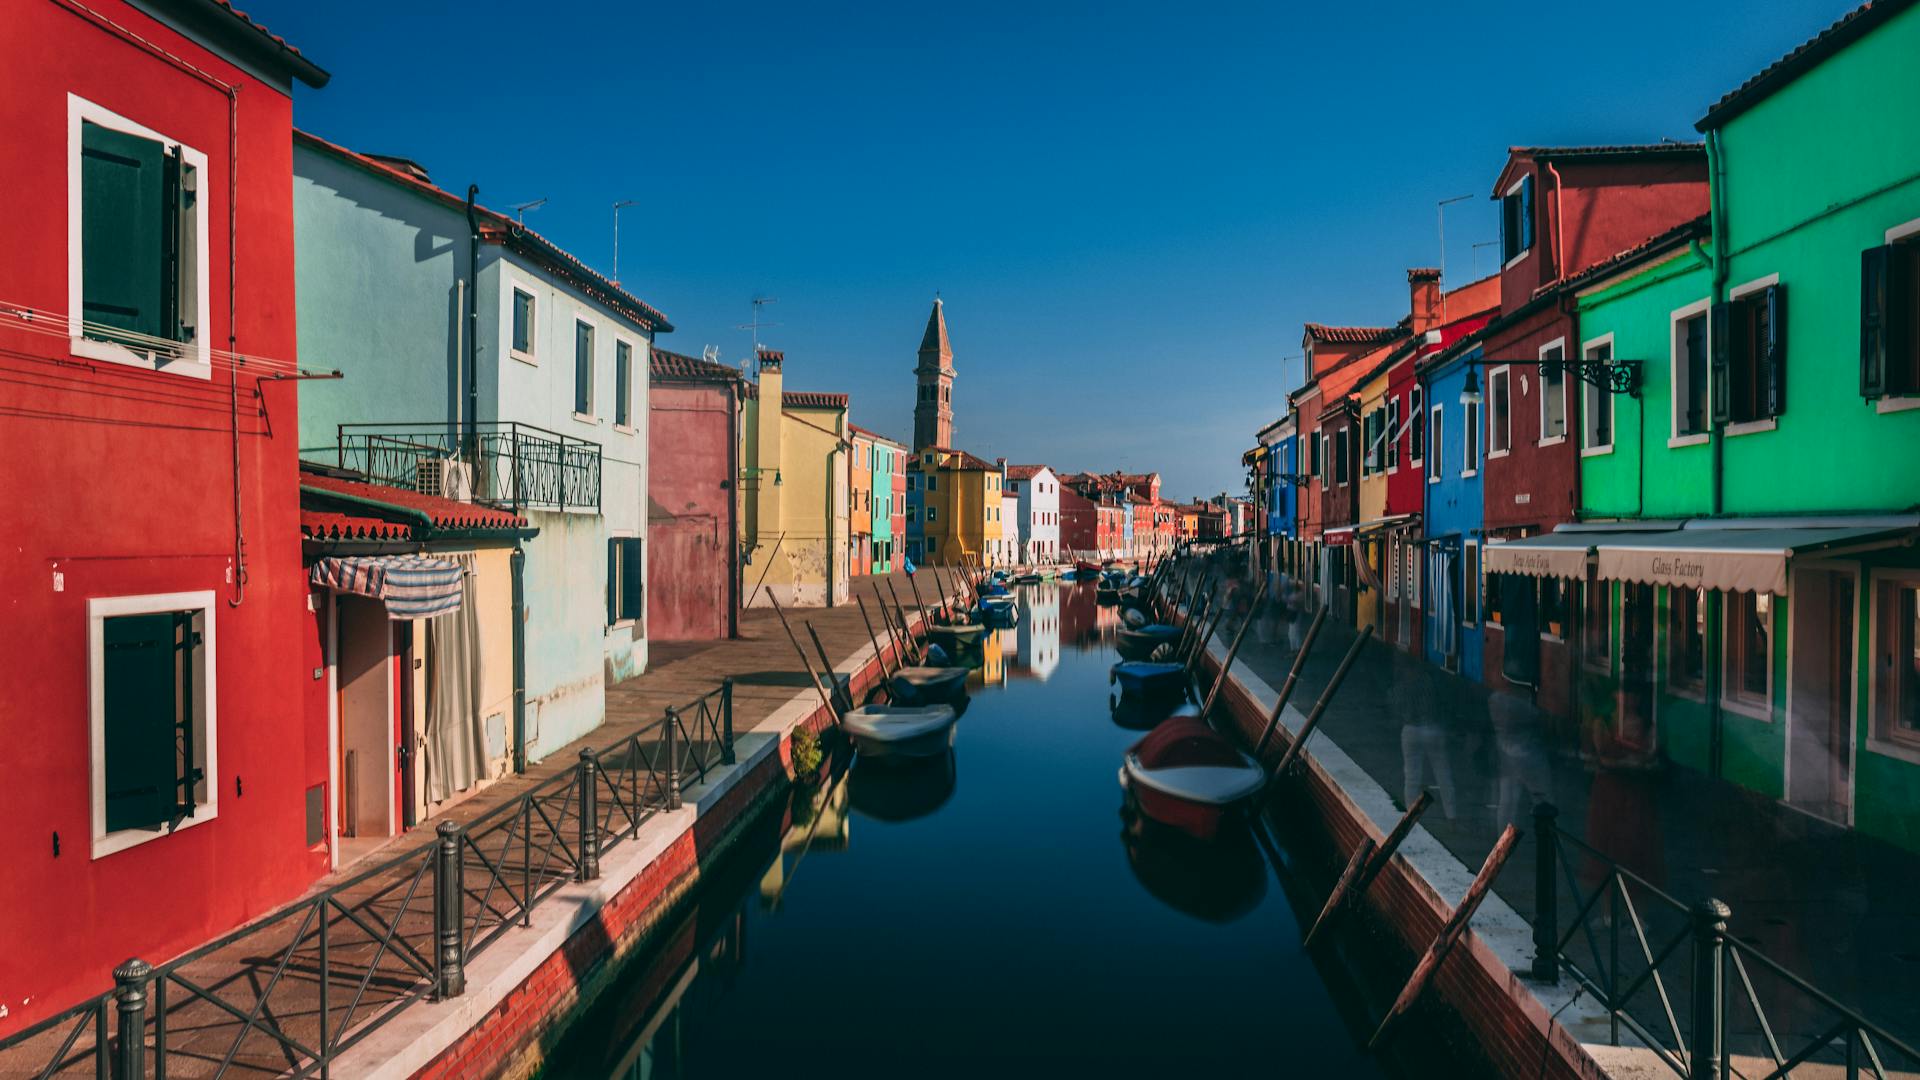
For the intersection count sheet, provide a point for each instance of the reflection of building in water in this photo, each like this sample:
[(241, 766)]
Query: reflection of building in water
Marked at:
[(652, 1033), (819, 824), (1038, 644), (993, 654), (1079, 616)]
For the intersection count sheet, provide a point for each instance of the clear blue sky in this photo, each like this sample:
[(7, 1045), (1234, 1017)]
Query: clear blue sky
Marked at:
[(1130, 209)]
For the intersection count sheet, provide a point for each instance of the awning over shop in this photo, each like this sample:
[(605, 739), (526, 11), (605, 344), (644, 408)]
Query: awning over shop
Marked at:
[(1707, 555), (412, 586), (1386, 524), (1554, 554)]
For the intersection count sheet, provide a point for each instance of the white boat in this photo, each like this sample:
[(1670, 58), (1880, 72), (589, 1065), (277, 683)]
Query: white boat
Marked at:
[(901, 730)]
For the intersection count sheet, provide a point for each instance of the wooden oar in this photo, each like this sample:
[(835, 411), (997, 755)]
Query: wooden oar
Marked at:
[(1232, 651), (825, 698), (1293, 679), (878, 652), (1326, 697)]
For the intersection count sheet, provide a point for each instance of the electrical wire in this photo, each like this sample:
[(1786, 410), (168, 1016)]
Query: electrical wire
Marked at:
[(56, 325)]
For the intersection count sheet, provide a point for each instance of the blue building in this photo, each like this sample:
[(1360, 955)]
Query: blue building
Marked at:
[(1454, 513), (1280, 458)]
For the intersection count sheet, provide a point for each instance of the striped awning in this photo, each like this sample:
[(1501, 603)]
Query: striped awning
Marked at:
[(412, 586)]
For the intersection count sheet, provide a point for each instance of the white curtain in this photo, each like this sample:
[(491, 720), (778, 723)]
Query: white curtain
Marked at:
[(456, 743)]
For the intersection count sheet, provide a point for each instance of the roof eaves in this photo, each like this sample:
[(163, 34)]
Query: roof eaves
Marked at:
[(1808, 55)]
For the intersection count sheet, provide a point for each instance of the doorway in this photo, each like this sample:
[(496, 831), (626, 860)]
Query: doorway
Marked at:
[(369, 687), (1820, 699)]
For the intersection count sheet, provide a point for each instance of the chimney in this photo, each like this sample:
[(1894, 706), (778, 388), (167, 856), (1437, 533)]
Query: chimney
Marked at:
[(1423, 285), (767, 441)]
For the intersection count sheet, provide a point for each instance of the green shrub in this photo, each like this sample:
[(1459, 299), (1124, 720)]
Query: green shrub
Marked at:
[(806, 752)]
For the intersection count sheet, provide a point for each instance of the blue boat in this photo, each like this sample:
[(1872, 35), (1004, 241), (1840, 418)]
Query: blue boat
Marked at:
[(999, 610), (1139, 644), (1144, 678)]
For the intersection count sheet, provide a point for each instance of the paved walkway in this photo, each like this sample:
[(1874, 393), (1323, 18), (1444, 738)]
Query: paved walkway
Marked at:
[(1835, 907)]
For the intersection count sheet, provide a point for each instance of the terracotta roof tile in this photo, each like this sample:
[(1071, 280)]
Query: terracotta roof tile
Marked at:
[(1352, 335), (1678, 235), (443, 513), (1023, 472), (675, 366), (874, 435), (1682, 149), (1850, 28), (328, 525)]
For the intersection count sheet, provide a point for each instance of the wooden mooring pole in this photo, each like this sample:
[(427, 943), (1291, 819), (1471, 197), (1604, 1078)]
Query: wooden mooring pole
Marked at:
[(1326, 697), (1292, 680), (925, 619), (878, 652), (1449, 934), (846, 701), (906, 632), (1365, 866), (1232, 651), (825, 698)]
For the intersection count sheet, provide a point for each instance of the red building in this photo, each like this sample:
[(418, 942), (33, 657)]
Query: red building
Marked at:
[(1563, 210), (693, 439), (168, 789), (1337, 358)]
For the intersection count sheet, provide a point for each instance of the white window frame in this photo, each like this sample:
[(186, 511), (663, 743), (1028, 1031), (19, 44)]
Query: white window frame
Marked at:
[(1528, 250), (1735, 295), (1566, 398), (1588, 394), (532, 354), (1728, 700), (931, 516), (196, 363), (1471, 437), (591, 416), (1436, 462), (629, 534), (1905, 231), (1416, 448), (1470, 593), (1503, 373), (633, 364), (1876, 742), (1675, 380), (1393, 435), (99, 609)]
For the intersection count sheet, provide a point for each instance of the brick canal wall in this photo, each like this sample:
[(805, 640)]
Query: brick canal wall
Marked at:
[(521, 992), (1480, 982)]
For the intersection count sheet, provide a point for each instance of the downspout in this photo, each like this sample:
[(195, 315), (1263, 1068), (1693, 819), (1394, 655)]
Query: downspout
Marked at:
[(472, 426), (233, 344), (518, 561), (829, 521), (1559, 268), (733, 509), (1717, 217)]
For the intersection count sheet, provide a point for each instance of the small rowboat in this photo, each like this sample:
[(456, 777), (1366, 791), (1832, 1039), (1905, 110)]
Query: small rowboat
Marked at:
[(999, 611), (968, 633), (1187, 776), (1139, 644), (927, 685), (901, 730), (1085, 567), (1144, 678), (1027, 579), (1106, 594)]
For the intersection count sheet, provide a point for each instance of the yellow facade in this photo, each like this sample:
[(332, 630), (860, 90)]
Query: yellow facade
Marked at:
[(960, 507), (1373, 504), (793, 493)]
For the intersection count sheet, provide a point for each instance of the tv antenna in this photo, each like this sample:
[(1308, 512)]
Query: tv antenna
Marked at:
[(520, 209), (758, 303), (1441, 211), (710, 353), (616, 234)]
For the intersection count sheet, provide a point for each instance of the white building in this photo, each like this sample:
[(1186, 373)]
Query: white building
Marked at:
[(1037, 516)]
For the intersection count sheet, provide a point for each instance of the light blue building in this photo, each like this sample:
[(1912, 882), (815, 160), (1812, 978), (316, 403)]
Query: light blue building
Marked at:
[(1281, 444), (483, 363), (1454, 514)]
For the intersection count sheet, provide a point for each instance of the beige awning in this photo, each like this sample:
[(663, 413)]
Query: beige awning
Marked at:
[(1735, 560), (1554, 554)]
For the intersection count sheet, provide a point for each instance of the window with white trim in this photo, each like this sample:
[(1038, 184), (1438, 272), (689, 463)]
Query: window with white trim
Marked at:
[(1417, 438), (583, 368), (1553, 393), (1470, 583), (626, 579), (1393, 435), (1470, 441), (1890, 315), (1747, 682), (525, 316), (1896, 659), (1439, 445), (1499, 411), (151, 661), (1748, 344), (1687, 641), (1516, 221), (622, 383), (137, 237), (1596, 404), (1690, 365)]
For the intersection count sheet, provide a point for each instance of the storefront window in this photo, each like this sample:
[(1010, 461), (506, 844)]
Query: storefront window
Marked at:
[(1686, 641), (1553, 608), (1597, 606), (1749, 652), (1896, 661)]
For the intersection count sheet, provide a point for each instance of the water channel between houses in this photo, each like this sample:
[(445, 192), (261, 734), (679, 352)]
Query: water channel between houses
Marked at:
[(992, 907)]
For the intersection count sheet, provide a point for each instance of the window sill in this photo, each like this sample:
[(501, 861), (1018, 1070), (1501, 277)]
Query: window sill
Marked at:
[(1898, 751), (87, 348), (1695, 694), (1900, 403), (1516, 260), (1491, 625), (1554, 441), (526, 358), (1596, 451), (1749, 710), (1695, 439), (1468, 474), (621, 624), (1492, 454), (1750, 427), (625, 429), (112, 842), (587, 418)]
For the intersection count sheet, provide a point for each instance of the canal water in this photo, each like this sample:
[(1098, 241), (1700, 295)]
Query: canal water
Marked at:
[(992, 908)]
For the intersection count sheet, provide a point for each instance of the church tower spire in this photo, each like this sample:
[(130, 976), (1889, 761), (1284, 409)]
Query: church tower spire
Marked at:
[(933, 408)]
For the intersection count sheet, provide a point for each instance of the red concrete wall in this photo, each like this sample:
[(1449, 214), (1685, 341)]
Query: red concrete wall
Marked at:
[(1079, 524), (1605, 207), (1533, 486), (121, 482), (690, 528)]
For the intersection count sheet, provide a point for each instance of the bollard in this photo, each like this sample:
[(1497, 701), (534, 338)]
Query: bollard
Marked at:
[(726, 715), (449, 895), (672, 793), (1546, 901), (130, 991), (1709, 1013), (587, 858)]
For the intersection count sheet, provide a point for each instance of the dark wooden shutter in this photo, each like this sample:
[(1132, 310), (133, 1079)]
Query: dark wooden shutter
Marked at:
[(1526, 214), (140, 711), (123, 241), (613, 582), (1876, 288), (1720, 346), (632, 579), (1773, 355)]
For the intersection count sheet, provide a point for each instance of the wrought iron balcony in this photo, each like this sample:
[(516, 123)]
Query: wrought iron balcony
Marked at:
[(509, 465)]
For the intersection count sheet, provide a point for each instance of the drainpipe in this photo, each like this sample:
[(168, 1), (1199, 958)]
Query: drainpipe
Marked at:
[(473, 327), (518, 561), (1559, 268), (1717, 214), (733, 509)]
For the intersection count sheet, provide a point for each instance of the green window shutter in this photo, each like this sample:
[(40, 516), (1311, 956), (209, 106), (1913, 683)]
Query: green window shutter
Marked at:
[(124, 246), (141, 699), (1877, 267), (633, 579), (1774, 356), (1720, 346)]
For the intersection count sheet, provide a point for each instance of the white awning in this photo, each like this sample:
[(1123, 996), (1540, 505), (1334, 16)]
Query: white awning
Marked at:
[(1704, 555), (1554, 554)]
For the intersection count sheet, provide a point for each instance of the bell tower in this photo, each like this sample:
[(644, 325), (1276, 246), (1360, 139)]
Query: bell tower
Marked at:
[(933, 408)]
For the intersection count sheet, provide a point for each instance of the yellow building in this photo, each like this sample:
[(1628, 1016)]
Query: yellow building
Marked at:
[(793, 492), (959, 506), (1371, 546)]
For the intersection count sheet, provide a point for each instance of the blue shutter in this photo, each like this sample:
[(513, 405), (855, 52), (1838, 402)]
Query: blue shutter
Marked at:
[(1526, 214), (1774, 355)]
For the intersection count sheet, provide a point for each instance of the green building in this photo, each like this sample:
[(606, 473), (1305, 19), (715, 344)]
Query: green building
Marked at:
[(1749, 518)]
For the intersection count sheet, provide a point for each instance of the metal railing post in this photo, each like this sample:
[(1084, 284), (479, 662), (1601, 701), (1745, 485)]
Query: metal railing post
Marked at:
[(515, 432), (726, 721), (673, 761), (1546, 900), (589, 782), (449, 895), (130, 994), (1709, 1001)]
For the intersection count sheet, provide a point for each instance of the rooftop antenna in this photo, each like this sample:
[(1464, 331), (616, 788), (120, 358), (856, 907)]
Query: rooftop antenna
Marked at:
[(520, 209), (1484, 244), (616, 234), (758, 303), (710, 353), (1442, 211)]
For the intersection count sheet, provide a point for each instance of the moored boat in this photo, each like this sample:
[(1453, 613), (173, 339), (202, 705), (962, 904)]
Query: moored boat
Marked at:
[(901, 730), (1138, 644), (962, 634), (1185, 775), (1144, 678), (927, 685), (1027, 579)]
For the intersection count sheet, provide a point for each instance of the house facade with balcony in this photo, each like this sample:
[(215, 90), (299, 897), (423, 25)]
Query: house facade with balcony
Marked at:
[(484, 364), (157, 650)]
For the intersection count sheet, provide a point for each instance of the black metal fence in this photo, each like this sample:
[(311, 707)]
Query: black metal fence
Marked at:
[(510, 465), (286, 995), (1673, 980)]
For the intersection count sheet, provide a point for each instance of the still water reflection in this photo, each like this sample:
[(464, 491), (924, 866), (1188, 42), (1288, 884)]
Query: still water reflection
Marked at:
[(988, 907)]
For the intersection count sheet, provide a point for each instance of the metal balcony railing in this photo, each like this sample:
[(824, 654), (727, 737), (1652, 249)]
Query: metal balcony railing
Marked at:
[(509, 465)]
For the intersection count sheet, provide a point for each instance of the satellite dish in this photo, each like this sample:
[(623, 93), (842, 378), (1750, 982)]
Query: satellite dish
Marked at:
[(711, 354)]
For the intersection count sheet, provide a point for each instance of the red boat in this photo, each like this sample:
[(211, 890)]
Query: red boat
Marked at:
[(1082, 566), (1187, 776)]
